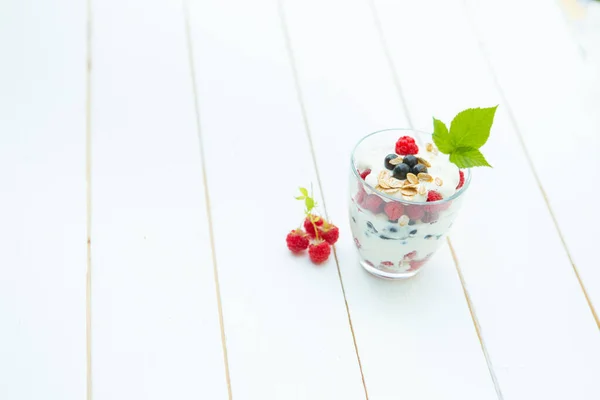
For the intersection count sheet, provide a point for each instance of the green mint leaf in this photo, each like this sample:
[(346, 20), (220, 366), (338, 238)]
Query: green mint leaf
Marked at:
[(471, 127), (441, 138), (304, 192), (467, 157), (300, 197), (310, 204)]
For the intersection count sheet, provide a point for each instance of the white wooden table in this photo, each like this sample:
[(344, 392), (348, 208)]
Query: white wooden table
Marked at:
[(149, 151)]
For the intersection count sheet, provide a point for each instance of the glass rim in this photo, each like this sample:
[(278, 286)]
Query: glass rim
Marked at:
[(385, 195)]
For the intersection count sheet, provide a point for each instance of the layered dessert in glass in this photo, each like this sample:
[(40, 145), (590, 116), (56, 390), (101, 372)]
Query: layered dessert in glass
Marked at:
[(405, 195)]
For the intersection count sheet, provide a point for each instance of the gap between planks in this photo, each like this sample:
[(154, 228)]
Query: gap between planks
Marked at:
[(300, 99), (515, 125), (397, 84), (88, 196), (475, 321), (188, 35)]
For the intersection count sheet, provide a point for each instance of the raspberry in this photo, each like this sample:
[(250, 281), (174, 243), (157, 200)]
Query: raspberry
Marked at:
[(308, 226), (297, 241), (406, 145), (387, 263), (461, 180), (393, 210), (373, 203), (319, 252), (410, 255), (364, 174), (360, 196), (416, 264), (330, 233), (415, 212), (433, 195), (430, 217)]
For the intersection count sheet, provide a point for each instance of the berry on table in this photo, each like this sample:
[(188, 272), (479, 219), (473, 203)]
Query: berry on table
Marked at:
[(318, 234), (419, 168), (297, 241), (400, 171), (319, 252), (308, 224), (406, 145), (373, 203), (389, 158), (410, 160), (393, 210), (330, 233), (461, 180)]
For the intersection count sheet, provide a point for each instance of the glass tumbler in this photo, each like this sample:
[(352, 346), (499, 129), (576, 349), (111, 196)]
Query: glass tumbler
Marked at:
[(397, 249)]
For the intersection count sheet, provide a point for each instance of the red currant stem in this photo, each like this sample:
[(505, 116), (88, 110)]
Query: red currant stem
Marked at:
[(316, 230)]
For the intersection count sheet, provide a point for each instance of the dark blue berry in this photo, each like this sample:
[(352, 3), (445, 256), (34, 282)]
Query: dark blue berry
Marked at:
[(410, 160), (411, 222), (371, 227), (393, 229), (417, 169), (385, 237), (413, 232), (428, 236), (389, 158), (400, 171)]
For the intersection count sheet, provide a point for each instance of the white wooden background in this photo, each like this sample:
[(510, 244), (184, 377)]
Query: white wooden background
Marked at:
[(149, 151)]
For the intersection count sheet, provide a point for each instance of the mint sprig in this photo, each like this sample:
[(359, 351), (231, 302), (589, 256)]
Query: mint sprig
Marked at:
[(469, 131), (309, 201)]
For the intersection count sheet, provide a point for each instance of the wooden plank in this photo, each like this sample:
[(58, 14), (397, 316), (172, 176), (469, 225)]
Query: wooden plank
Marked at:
[(286, 324), (42, 200), (349, 92), (155, 318), (562, 125), (534, 318)]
